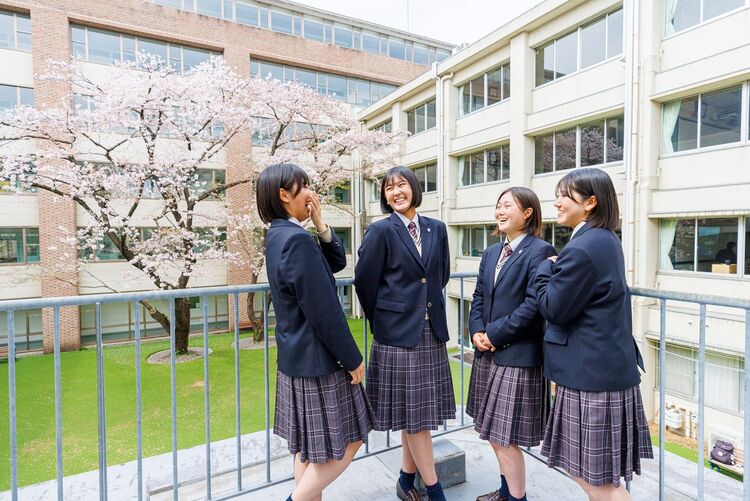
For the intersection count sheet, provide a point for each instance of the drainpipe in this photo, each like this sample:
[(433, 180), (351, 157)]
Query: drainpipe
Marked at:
[(630, 159), (441, 164)]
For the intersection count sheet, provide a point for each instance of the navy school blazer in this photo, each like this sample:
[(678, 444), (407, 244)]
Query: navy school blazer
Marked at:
[(312, 335), (585, 299), (396, 285), (506, 310)]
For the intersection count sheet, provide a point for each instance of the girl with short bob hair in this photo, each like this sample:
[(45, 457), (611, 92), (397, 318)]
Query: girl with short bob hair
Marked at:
[(321, 408), (597, 430), (506, 397), (402, 269)]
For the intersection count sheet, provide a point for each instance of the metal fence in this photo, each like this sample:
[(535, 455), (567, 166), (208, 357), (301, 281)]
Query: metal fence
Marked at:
[(234, 293)]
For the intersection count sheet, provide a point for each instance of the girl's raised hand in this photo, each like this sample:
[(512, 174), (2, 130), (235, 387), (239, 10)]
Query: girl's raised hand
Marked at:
[(316, 212)]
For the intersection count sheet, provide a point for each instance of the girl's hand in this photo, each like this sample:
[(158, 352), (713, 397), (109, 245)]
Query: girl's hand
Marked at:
[(316, 212), (481, 341), (358, 373), (553, 259)]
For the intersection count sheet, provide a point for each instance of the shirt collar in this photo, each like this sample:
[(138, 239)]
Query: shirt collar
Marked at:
[(578, 227), (406, 220), (296, 221), (516, 241)]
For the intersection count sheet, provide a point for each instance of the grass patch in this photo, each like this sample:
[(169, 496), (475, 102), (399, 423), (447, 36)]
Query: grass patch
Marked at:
[(35, 404)]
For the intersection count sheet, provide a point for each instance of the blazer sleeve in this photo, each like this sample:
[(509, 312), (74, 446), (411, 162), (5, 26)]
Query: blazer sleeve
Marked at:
[(334, 253), (476, 313), (511, 327), (305, 272), (446, 256), (369, 269), (564, 288)]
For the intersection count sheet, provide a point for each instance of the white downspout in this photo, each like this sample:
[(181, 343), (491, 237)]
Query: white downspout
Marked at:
[(631, 139)]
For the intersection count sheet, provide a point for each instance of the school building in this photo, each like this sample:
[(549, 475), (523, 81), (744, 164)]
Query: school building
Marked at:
[(654, 93)]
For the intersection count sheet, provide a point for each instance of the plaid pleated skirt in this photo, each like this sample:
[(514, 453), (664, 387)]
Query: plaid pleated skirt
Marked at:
[(411, 388), (319, 416), (599, 437), (512, 410), (480, 373)]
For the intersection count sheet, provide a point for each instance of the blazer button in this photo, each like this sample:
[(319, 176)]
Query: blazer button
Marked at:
[(423, 280), (429, 305)]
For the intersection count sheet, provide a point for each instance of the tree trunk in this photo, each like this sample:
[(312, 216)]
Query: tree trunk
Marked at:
[(256, 318), (182, 324)]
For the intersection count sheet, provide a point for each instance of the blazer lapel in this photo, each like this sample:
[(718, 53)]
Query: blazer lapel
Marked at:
[(426, 233), (513, 257), (406, 238), (489, 270)]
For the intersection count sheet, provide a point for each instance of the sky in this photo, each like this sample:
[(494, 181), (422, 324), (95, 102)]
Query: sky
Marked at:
[(451, 21)]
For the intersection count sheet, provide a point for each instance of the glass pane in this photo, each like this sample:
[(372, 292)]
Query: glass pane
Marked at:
[(386, 89), (328, 33), (747, 246), (431, 115), (420, 119), (357, 40), (543, 154), (263, 16), (281, 22), (271, 70), (685, 135), (32, 245), (307, 77), (363, 93), (228, 10), (491, 238), (193, 57), (410, 121), (566, 55), (442, 55), (615, 138), (477, 168), (371, 43), (209, 7), (494, 86), (687, 14), (477, 93), (104, 47), (720, 116), (593, 43), (614, 34), (545, 64), (420, 173), (177, 4), (420, 54), (682, 253), (565, 149), (322, 84), (713, 8), (506, 161), (8, 97), (464, 169), (345, 234), (8, 31), (11, 245), (477, 240), (494, 165), (464, 99), (717, 245), (343, 37), (297, 25), (562, 236), (506, 81), (148, 46), (27, 96), (337, 87), (246, 13), (396, 48), (592, 143), (431, 176)]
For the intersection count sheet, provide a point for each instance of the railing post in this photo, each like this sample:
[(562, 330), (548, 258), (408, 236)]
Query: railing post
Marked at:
[(238, 423), (101, 407), (746, 417), (461, 322), (173, 391), (138, 409), (12, 405), (701, 398), (267, 365), (58, 401), (662, 393), (206, 395)]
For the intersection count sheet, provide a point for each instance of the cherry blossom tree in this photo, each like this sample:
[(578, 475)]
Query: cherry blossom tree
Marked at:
[(145, 143)]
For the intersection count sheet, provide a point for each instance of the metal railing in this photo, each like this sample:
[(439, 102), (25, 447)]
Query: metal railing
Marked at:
[(234, 292)]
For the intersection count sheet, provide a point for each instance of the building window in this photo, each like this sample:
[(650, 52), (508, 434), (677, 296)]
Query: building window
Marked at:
[(27, 329), (701, 121), (682, 14), (598, 41), (19, 245), (12, 96), (375, 189), (704, 244), (209, 8), (421, 118), (427, 177), (473, 240), (556, 235), (109, 47), (486, 166), (484, 90), (15, 31), (342, 194), (601, 142), (345, 235), (386, 126), (205, 180), (246, 13), (724, 383)]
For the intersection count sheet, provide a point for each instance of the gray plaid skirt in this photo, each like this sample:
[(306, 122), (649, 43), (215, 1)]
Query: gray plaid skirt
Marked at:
[(512, 410), (480, 373), (598, 436), (319, 416), (411, 388)]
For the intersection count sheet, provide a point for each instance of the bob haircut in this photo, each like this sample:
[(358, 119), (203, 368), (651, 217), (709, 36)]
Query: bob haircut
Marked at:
[(410, 177), (593, 182), (526, 199), (271, 180)]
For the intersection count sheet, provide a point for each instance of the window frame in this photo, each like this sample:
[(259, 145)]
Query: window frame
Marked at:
[(16, 30), (462, 158), (424, 106), (701, 22), (468, 84), (25, 246)]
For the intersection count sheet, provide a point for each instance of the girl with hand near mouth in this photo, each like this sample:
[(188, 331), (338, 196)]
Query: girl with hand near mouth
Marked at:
[(506, 397), (399, 278), (321, 407), (597, 430)]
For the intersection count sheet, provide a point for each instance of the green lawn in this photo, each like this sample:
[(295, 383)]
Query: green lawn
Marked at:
[(689, 454), (35, 400)]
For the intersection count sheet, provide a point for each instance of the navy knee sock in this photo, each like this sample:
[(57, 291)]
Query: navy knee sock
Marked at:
[(522, 498), (435, 492), (406, 480), (504, 491)]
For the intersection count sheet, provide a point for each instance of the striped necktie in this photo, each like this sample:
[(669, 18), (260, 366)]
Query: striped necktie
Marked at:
[(412, 227), (507, 250)]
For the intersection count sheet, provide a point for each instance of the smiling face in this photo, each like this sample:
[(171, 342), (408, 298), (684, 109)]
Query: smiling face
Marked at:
[(572, 209), (399, 196), (511, 219), (296, 205)]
